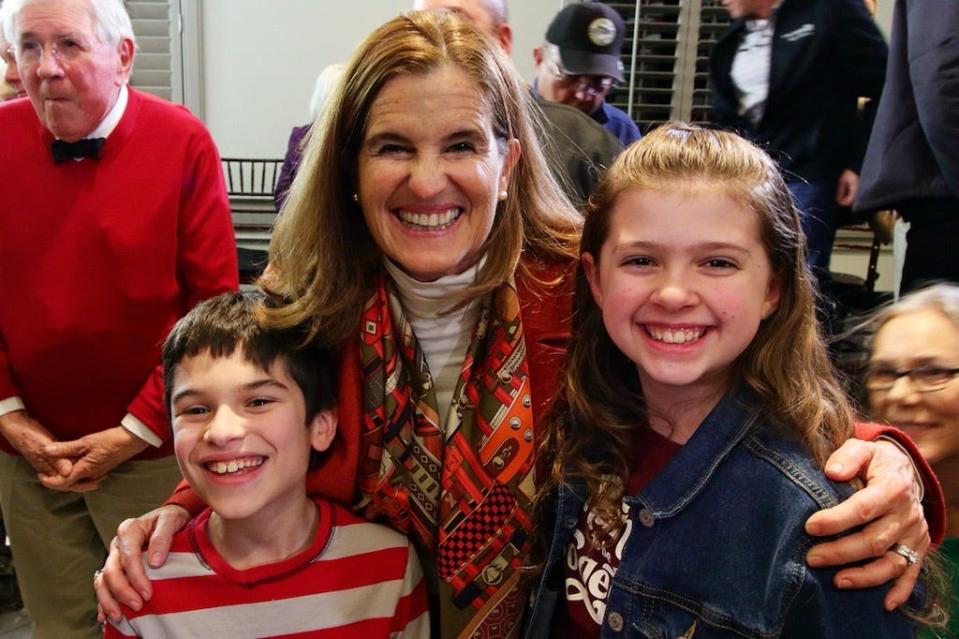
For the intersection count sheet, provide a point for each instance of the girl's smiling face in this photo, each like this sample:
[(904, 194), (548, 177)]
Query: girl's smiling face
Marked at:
[(683, 281)]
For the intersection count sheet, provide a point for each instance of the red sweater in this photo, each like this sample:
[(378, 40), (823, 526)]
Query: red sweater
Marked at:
[(99, 258)]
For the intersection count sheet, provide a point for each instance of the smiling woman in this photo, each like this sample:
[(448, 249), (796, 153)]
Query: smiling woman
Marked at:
[(324, 255), (10, 86), (913, 377), (913, 382), (424, 221), (431, 173)]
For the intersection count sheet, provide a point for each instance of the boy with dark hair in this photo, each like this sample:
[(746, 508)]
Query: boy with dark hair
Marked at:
[(250, 406)]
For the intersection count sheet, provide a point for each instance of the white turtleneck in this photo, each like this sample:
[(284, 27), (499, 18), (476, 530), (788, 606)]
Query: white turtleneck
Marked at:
[(442, 338)]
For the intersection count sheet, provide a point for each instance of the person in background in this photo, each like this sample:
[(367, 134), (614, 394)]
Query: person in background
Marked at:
[(912, 162), (10, 87), (579, 64), (325, 82), (913, 383), (490, 16), (427, 241), (115, 223), (577, 148), (788, 75)]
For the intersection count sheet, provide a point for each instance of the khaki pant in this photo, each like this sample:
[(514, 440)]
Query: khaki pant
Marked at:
[(60, 538)]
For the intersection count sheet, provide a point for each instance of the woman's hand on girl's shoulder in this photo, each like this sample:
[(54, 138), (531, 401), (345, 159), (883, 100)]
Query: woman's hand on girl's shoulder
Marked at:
[(890, 512)]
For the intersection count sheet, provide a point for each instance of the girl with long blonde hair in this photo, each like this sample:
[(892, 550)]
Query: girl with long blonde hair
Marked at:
[(687, 447)]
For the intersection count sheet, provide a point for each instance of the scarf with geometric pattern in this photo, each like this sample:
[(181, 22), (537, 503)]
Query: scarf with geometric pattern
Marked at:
[(460, 490)]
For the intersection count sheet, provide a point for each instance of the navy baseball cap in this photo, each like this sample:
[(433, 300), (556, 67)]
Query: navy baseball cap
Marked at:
[(590, 37)]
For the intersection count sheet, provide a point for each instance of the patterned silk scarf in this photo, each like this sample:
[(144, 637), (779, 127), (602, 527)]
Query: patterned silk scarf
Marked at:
[(462, 489)]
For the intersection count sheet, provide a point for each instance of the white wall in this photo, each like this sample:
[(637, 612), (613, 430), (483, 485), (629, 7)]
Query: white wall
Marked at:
[(260, 60), (884, 9)]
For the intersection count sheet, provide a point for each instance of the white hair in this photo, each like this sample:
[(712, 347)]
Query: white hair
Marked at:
[(942, 297), (325, 82), (111, 22), (498, 11), (6, 35)]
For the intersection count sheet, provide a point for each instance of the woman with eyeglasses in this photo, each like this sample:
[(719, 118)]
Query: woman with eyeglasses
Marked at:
[(913, 383)]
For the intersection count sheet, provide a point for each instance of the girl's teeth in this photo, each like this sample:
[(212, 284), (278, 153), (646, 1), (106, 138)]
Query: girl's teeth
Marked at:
[(675, 336)]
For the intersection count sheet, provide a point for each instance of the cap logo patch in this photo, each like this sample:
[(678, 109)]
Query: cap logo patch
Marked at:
[(601, 32)]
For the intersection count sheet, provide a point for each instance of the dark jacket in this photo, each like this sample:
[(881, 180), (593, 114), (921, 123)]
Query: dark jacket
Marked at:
[(825, 55), (914, 149), (577, 148), (717, 544)]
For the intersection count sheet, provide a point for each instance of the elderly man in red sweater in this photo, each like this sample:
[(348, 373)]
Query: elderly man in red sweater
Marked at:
[(114, 223)]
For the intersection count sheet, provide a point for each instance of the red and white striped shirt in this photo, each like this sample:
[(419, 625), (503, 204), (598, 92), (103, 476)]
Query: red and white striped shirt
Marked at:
[(357, 579)]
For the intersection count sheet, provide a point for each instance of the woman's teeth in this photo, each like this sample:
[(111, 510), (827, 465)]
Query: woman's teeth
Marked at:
[(429, 220), (675, 335), (234, 465)]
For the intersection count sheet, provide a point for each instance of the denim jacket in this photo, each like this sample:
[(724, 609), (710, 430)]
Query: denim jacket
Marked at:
[(717, 547)]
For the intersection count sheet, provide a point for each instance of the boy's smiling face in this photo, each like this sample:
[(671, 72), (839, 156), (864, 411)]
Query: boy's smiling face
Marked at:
[(241, 437)]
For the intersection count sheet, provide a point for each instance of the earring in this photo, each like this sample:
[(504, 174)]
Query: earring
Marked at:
[(503, 194), (356, 197)]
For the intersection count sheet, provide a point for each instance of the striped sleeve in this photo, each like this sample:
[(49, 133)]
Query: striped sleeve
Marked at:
[(412, 619), (118, 630)]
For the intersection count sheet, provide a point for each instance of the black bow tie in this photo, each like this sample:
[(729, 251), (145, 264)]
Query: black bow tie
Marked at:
[(88, 148)]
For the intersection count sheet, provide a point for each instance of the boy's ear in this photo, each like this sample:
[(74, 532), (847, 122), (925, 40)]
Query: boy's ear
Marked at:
[(323, 429)]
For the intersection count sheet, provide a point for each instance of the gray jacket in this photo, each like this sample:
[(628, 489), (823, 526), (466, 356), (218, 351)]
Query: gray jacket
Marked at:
[(577, 148), (913, 152)]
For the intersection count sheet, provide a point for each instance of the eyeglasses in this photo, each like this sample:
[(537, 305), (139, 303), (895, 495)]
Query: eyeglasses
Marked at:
[(597, 84), (65, 50), (925, 379)]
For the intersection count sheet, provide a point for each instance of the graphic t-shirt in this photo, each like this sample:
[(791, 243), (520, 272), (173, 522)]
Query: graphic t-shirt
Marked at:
[(593, 554)]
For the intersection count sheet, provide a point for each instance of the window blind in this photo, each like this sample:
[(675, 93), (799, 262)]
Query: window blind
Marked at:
[(666, 57), (153, 68)]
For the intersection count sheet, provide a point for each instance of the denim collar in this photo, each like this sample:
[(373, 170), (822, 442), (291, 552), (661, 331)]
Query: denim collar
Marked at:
[(693, 466)]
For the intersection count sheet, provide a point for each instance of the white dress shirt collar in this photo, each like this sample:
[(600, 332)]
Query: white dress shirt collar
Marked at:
[(113, 116)]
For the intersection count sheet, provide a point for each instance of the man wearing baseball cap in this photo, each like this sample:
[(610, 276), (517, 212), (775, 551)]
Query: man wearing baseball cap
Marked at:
[(579, 63)]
